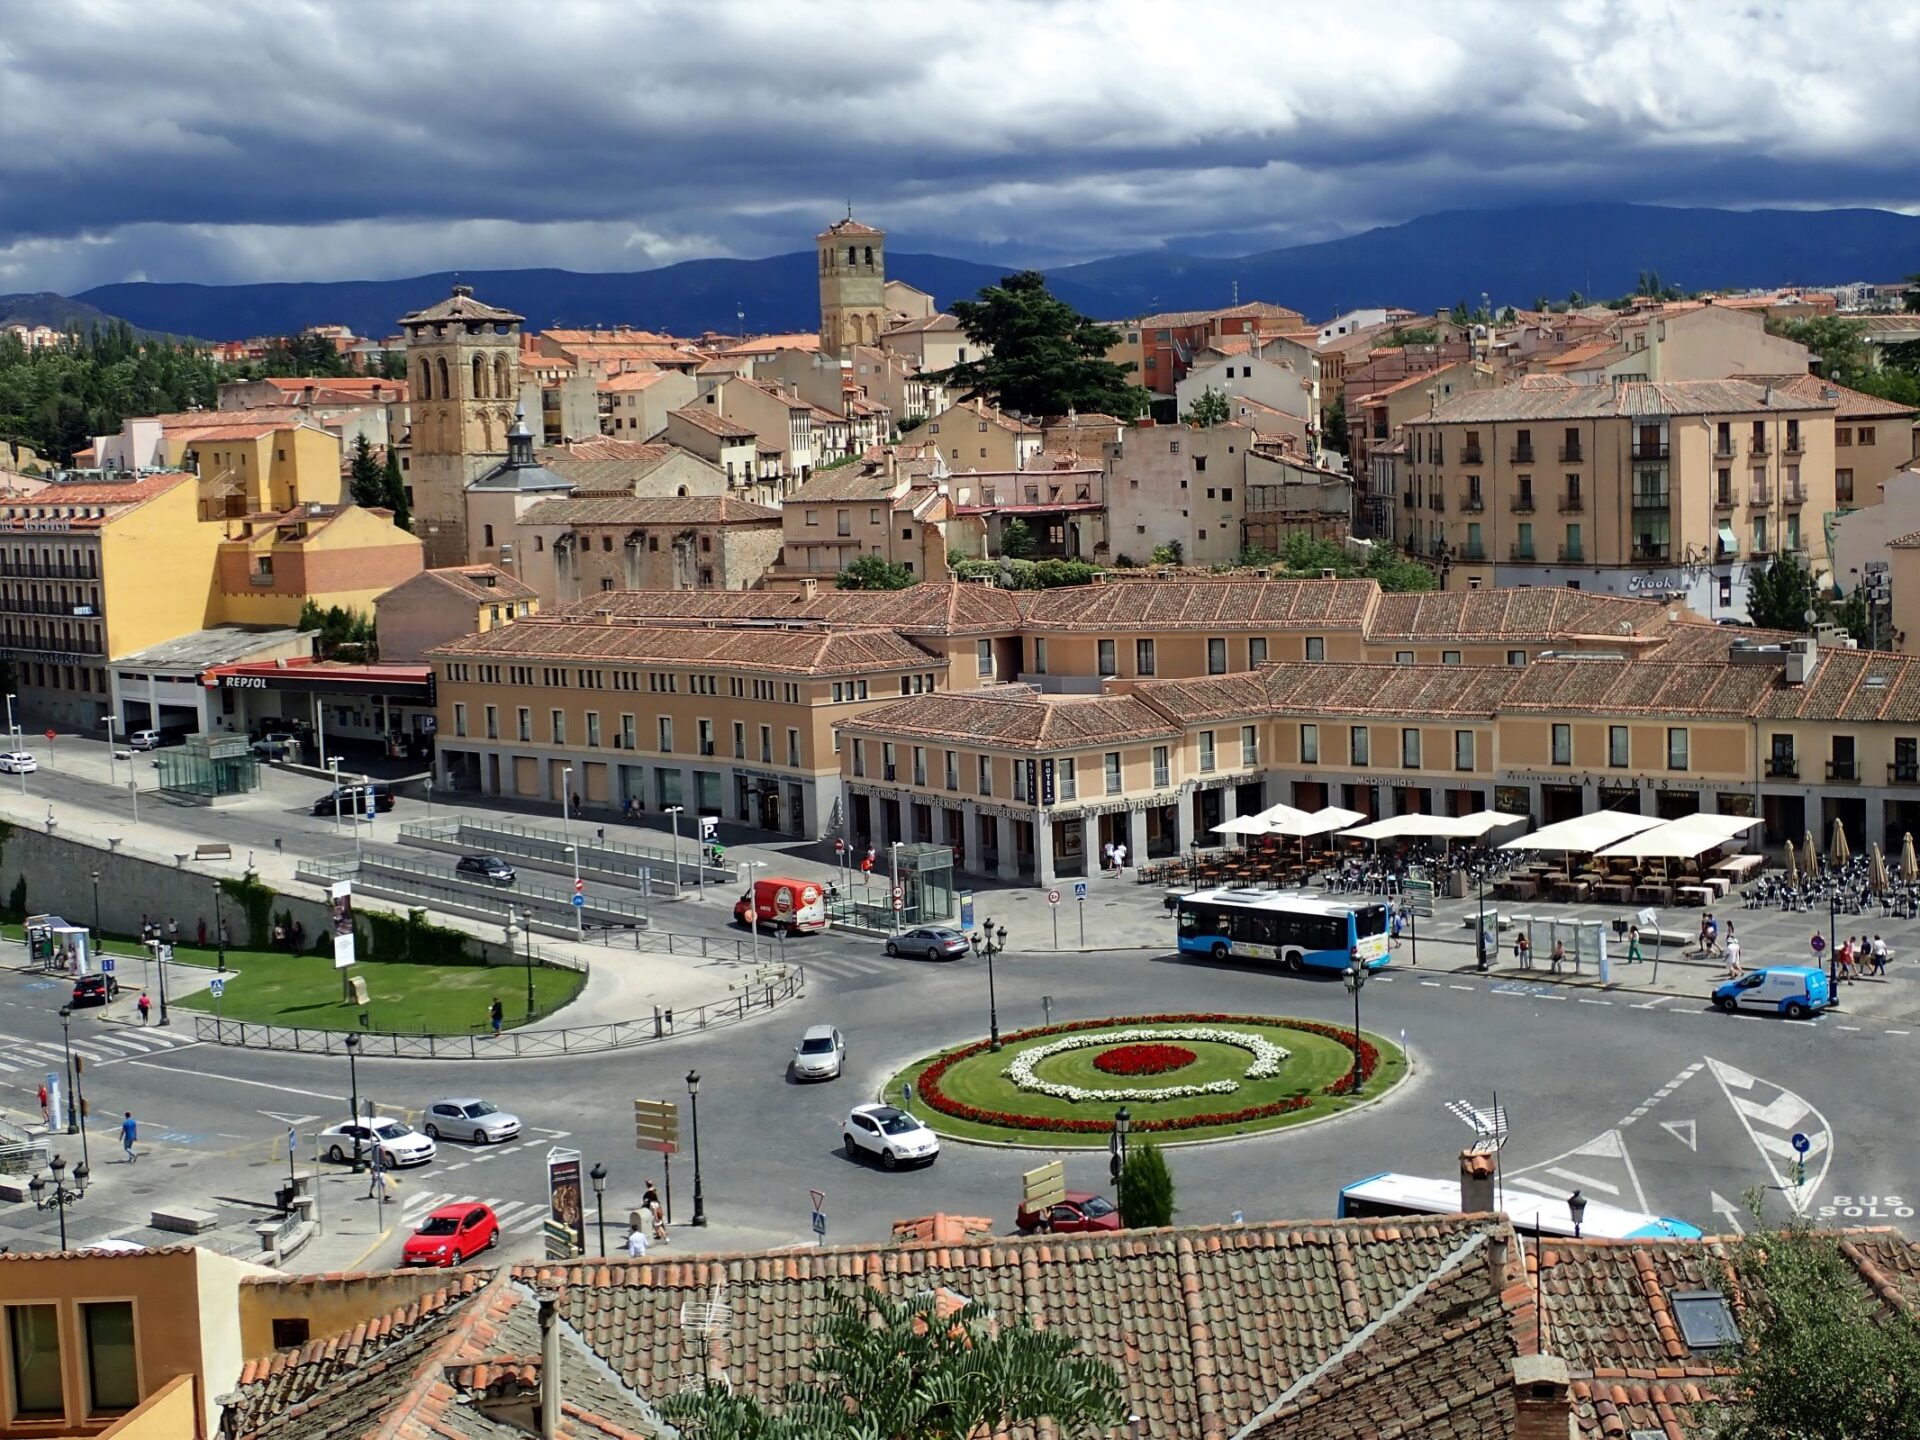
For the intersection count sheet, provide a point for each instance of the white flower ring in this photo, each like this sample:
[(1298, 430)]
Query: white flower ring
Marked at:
[(1267, 1060)]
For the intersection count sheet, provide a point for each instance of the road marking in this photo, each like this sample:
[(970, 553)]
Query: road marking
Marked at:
[(1849, 1027), (1783, 1112), (1584, 1181), (1807, 1023), (1460, 987), (1658, 1000), (1516, 994), (1899, 1032), (236, 1080), (1773, 1147), (1685, 1131), (1724, 1206), (1585, 1001), (1431, 984)]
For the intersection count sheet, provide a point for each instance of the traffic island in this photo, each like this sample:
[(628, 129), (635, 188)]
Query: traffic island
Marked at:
[(1181, 1078), (304, 990)]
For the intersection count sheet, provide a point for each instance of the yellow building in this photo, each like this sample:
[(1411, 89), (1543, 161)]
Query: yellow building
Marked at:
[(270, 565), (437, 607), (247, 466)]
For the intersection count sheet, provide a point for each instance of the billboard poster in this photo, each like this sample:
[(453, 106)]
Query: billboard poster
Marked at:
[(566, 1212), (341, 921)]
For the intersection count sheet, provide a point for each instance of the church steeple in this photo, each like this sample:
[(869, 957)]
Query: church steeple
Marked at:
[(519, 441), (853, 283)]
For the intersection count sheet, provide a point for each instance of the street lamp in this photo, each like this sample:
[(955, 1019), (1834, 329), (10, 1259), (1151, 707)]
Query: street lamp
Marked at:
[(1356, 979), (674, 812), (566, 831), (1117, 1147), (353, 1083), (1481, 953), (599, 1177), (526, 924), (995, 941), (61, 1196), (1577, 1208), (162, 949), (699, 1192), (219, 928), (1833, 951), (66, 1043), (96, 908)]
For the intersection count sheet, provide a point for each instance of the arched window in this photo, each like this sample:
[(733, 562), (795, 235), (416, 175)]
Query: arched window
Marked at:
[(487, 533), (426, 380), (500, 378), (853, 257), (681, 491), (446, 390), (479, 379), (869, 257)]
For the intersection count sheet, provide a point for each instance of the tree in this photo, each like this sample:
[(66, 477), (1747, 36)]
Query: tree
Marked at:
[(891, 1369), (1416, 335), (1911, 297), (1169, 553), (393, 488), (1038, 355), (1016, 540), (1823, 1357), (366, 482), (1781, 596), (1145, 1191), (1336, 436), (870, 572), (1210, 409)]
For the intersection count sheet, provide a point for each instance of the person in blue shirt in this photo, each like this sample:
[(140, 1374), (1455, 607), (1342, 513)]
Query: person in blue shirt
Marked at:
[(129, 1132)]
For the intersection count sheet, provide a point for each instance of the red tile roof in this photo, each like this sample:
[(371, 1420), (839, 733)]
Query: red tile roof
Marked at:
[(802, 652), (1019, 719)]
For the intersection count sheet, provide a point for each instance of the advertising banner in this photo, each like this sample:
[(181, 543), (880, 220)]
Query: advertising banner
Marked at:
[(342, 922), (566, 1212)]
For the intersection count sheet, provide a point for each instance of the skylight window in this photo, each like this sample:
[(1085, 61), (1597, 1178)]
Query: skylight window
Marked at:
[(1705, 1321)]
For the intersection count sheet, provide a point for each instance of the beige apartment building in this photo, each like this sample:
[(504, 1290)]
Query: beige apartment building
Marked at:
[(782, 423), (438, 606), (727, 444), (892, 508), (575, 547), (637, 403), (1656, 489), (1178, 486), (976, 436)]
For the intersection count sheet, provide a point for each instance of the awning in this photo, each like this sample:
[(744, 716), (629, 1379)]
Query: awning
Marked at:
[(1439, 827), (1265, 823), (1585, 833), (1320, 822), (1729, 542), (1684, 838)]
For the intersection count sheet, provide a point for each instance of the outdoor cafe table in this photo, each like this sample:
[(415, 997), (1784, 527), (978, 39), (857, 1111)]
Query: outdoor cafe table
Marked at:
[(1653, 894)]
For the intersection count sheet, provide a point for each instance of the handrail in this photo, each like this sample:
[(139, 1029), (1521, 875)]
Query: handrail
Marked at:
[(450, 829), (483, 889)]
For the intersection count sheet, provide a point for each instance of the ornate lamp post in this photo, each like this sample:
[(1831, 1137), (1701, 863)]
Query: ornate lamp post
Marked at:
[(699, 1190), (1356, 979), (1577, 1208), (599, 1177), (59, 1196), (1117, 1146), (353, 1082), (219, 928), (994, 941)]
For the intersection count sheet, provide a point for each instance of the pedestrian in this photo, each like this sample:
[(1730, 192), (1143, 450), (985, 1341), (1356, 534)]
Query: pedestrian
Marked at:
[(656, 1214), (279, 935), (1119, 858), (146, 1007), (1733, 959), (202, 932), (1879, 956), (46, 1107), (1706, 941), (1106, 856), (173, 931), (1523, 951), (1559, 956), (1844, 959), (497, 1014), (1634, 956), (636, 1240), (146, 927), (129, 1132), (578, 808)]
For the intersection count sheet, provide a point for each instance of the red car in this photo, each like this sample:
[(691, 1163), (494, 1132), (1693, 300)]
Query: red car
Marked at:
[(452, 1235), (1079, 1210)]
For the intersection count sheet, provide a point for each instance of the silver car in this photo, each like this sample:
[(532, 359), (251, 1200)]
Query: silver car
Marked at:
[(819, 1054), (470, 1118)]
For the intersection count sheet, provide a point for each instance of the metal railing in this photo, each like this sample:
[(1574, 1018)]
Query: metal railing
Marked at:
[(509, 839), (751, 997), (522, 892)]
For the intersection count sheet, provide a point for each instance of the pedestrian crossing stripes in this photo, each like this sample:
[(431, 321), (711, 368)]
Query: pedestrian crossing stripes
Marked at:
[(516, 1217), (97, 1046)]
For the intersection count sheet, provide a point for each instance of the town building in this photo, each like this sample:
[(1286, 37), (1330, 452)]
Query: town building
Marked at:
[(638, 402), (782, 423), (896, 506), (853, 281), (575, 547), (729, 446), (247, 461), (974, 435), (1178, 490), (1162, 346), (437, 607), (270, 566), (1059, 500), (932, 345), (1276, 384), (351, 406)]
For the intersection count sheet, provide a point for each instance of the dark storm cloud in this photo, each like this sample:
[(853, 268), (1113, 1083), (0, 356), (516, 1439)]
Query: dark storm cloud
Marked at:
[(186, 140)]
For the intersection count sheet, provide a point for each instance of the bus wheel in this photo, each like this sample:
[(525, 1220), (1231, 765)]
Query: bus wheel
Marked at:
[(1294, 963), (1220, 951)]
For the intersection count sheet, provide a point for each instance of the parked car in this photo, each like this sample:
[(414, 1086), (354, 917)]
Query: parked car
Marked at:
[(486, 867), (273, 747), (1074, 1212), (1795, 991), (460, 1118), (400, 1144), (145, 740), (936, 942), (819, 1054), (352, 799), (18, 762), (95, 990), (892, 1134), (452, 1234)]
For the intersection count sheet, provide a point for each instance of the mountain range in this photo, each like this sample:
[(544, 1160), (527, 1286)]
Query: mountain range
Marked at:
[(1513, 256)]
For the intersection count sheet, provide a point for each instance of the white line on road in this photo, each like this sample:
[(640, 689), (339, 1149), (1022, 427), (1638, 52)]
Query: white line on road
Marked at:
[(1431, 984), (236, 1080), (1849, 1027), (1585, 1001), (1575, 1177), (1658, 1000), (1459, 987), (1899, 1032)]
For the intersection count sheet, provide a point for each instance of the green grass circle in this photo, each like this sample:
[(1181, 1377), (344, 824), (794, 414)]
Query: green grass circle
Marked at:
[(1314, 1062)]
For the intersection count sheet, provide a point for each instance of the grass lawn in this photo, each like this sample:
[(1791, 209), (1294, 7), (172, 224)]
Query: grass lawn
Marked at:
[(305, 990), (1314, 1061)]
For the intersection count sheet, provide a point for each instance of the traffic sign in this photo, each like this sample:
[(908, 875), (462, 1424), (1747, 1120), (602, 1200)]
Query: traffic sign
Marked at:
[(899, 904), (1801, 1143), (819, 1199), (579, 887), (840, 847), (52, 735), (899, 892), (1044, 1185), (219, 987), (819, 1224), (1053, 897), (579, 900), (106, 964), (1819, 943), (1079, 889)]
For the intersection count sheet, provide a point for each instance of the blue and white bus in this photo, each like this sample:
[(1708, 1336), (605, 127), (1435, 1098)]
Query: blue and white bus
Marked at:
[(1391, 1194), (1298, 930)]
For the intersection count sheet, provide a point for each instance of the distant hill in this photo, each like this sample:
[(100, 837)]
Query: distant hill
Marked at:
[(47, 308), (1513, 256)]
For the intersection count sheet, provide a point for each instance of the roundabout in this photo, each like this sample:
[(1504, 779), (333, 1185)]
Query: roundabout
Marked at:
[(1182, 1077)]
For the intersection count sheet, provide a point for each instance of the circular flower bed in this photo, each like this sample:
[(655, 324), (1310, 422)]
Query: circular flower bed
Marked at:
[(1144, 1059), (1144, 1032)]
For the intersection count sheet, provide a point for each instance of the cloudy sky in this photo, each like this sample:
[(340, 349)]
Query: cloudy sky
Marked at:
[(329, 139)]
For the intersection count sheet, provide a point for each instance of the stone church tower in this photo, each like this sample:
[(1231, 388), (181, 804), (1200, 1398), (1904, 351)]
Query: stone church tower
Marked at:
[(463, 361), (853, 282)]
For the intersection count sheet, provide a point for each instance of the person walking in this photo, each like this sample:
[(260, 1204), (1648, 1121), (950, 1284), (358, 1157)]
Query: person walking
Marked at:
[(173, 931), (497, 1014), (1733, 959), (1845, 959), (46, 1107), (145, 1007), (1119, 858), (1523, 951), (129, 1132), (656, 1214), (1634, 957), (636, 1239), (1879, 949)]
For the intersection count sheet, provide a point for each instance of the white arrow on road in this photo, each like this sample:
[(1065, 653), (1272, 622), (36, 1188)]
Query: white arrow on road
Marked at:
[(1773, 1147), (1725, 1207)]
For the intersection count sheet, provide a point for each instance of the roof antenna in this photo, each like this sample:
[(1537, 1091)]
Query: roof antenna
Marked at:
[(849, 207)]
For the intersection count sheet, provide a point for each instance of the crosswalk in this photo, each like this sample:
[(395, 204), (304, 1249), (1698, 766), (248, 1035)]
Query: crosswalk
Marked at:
[(98, 1044), (517, 1217)]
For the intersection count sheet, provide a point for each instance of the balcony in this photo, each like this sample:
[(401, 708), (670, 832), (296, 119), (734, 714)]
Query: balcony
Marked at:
[(1470, 455), (1760, 496), (1571, 455), (1160, 777), (1842, 770), (1722, 448), (1783, 767), (1437, 502), (1795, 445), (1572, 504), (1652, 554), (1521, 553), (1472, 505), (1645, 450), (1650, 498), (1572, 552), (1521, 454), (1759, 447), (1407, 499), (1904, 772), (1471, 551), (1793, 493), (1521, 504), (1726, 498), (889, 772)]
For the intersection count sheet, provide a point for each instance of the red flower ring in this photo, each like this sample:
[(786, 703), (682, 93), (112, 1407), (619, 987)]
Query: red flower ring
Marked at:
[(930, 1091), (1144, 1059)]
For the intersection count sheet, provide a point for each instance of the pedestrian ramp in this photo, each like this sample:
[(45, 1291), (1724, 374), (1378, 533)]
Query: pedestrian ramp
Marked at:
[(98, 1045), (517, 1217)]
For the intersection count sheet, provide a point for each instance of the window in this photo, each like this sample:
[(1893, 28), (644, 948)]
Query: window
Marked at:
[(290, 1332), (1206, 752), (33, 1343), (1843, 486), (1309, 744), (1410, 749), (986, 775), (1677, 748), (666, 734), (1316, 647), (1449, 657), (1143, 657), (1161, 774), (1403, 657), (557, 723), (1107, 664), (793, 753), (766, 746), (1249, 745), (1516, 658), (1865, 435), (1039, 655), (1069, 780), (1217, 656), (1463, 750), (1256, 651), (1020, 780), (460, 718), (859, 755), (113, 1380), (526, 725), (1110, 765), (1704, 1319), (1563, 745), (842, 522), (1617, 747), (953, 770), (593, 729), (1359, 745)]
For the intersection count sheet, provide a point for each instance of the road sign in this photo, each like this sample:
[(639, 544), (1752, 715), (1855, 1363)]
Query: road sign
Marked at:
[(1819, 943), (1044, 1185), (840, 847), (52, 735), (899, 892), (217, 986), (579, 887), (899, 905), (1801, 1143), (656, 1126), (820, 1224), (819, 1199), (1053, 897), (106, 964), (579, 901), (1079, 889)]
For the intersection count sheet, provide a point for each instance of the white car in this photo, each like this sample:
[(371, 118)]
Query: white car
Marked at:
[(18, 762), (400, 1145), (470, 1117), (819, 1054), (890, 1133), (144, 740)]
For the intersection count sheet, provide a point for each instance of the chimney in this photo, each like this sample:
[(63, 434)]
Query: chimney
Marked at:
[(505, 562), (1476, 1182), (550, 1364), (1542, 1399), (1803, 656), (809, 589)]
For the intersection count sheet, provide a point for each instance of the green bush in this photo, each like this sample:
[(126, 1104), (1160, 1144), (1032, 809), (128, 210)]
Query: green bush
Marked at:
[(1145, 1192), (256, 903), (392, 940)]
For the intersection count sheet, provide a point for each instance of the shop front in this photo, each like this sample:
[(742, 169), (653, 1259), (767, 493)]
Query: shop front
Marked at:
[(386, 710)]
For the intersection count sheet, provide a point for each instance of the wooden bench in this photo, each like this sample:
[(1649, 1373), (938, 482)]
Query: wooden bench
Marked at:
[(213, 852)]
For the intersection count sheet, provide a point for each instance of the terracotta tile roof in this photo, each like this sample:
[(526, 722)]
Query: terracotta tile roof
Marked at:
[(619, 335), (478, 583), (773, 344), (858, 483), (107, 493), (705, 419), (1580, 355), (1019, 719), (1537, 613), (808, 651), (1531, 401), (650, 510), (1202, 605), (940, 321), (1414, 692), (980, 410), (944, 1229), (462, 306), (631, 380), (611, 465), (851, 227), (1847, 404), (925, 609), (745, 382), (1250, 310)]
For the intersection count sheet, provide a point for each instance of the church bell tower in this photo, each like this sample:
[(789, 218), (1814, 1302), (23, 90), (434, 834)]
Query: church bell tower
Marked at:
[(853, 282)]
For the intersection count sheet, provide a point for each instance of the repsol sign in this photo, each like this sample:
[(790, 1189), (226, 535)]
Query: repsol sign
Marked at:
[(244, 682)]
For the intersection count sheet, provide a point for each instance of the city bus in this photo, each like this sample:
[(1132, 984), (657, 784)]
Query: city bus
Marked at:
[(1299, 930), (1391, 1194)]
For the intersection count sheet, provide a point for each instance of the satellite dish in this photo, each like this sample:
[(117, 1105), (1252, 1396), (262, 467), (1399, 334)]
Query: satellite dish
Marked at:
[(1811, 616)]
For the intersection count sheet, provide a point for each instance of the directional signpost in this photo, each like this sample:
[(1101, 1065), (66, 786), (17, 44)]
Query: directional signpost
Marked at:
[(656, 1127), (1053, 908), (1043, 1187), (1801, 1144)]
